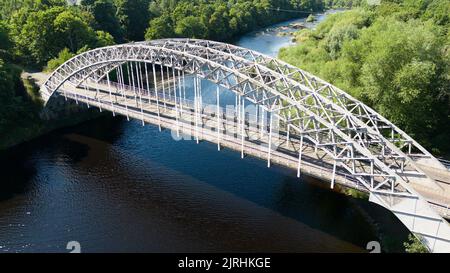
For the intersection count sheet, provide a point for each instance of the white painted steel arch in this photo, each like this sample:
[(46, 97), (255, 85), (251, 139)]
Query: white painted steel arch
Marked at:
[(376, 153)]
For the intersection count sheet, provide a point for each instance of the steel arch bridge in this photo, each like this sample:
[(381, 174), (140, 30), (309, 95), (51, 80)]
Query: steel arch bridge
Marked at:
[(355, 146)]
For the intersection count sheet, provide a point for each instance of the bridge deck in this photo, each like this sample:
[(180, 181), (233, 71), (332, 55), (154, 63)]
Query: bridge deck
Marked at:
[(314, 164)]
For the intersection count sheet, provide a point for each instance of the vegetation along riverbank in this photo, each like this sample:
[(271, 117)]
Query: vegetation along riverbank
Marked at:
[(395, 57)]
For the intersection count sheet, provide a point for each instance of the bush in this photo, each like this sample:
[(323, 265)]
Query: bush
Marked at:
[(311, 18), (63, 56), (414, 245)]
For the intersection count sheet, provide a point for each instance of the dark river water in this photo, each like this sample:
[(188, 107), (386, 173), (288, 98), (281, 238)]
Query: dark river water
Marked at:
[(115, 186)]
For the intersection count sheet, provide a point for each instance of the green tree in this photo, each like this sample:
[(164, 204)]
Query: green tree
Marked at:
[(40, 35), (8, 7), (134, 17), (402, 73), (392, 59), (218, 20), (105, 16), (14, 110), (34, 35), (102, 39), (439, 12), (218, 23), (5, 42), (160, 27), (72, 32), (63, 56), (190, 27)]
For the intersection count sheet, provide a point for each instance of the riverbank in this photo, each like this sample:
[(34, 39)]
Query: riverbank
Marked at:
[(35, 125), (33, 130)]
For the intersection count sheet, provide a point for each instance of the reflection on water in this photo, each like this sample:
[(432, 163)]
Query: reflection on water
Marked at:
[(114, 186)]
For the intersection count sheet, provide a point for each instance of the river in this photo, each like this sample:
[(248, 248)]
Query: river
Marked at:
[(115, 186)]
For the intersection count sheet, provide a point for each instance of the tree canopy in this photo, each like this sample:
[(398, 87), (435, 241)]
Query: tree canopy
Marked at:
[(220, 19), (394, 57)]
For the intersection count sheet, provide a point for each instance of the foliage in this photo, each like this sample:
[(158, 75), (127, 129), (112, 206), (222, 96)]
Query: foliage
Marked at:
[(40, 35), (221, 19), (5, 43), (103, 38), (16, 109), (414, 245), (394, 57), (311, 18), (105, 14), (160, 27), (8, 7), (356, 193), (72, 31), (63, 56), (133, 16), (190, 27)]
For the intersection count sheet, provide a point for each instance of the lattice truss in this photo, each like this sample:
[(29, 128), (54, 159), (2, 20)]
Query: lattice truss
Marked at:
[(360, 141)]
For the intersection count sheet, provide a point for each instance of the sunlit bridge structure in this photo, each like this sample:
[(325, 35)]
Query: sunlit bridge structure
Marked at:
[(297, 120)]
